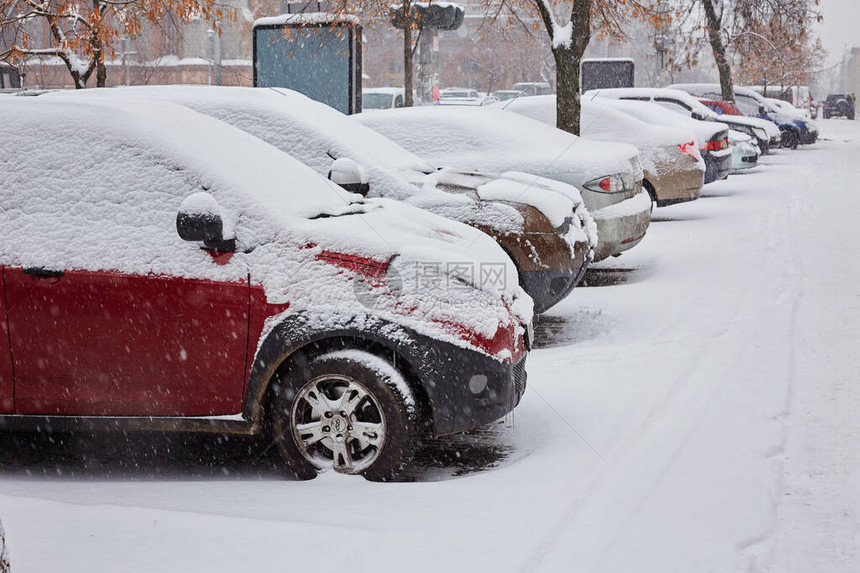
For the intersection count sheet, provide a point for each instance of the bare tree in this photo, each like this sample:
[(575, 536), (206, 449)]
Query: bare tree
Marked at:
[(83, 33), (568, 26)]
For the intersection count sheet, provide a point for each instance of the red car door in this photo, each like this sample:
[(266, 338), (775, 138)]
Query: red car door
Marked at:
[(103, 343), (7, 397)]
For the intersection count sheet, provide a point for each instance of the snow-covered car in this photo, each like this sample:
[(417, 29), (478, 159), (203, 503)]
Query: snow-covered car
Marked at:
[(533, 88), (673, 168), (722, 107), (683, 103), (492, 140), (464, 96), (382, 98), (505, 95), (183, 275), (745, 152), (547, 230), (795, 130), (711, 137)]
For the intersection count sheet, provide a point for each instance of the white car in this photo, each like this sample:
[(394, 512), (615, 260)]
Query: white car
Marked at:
[(382, 98), (745, 152), (464, 96), (673, 167), (490, 139)]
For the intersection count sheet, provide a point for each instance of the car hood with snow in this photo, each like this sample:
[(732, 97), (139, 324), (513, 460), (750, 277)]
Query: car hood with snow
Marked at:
[(301, 237)]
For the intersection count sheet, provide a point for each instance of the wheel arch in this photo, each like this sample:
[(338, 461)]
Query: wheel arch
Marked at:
[(282, 349)]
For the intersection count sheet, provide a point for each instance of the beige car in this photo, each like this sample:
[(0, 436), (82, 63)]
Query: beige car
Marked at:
[(673, 169)]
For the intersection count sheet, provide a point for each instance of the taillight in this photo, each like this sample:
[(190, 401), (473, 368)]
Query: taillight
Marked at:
[(690, 149), (717, 145), (612, 183)]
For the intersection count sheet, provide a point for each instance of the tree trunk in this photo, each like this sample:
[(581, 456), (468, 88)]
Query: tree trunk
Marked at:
[(568, 58), (407, 54), (714, 26), (567, 102), (98, 48)]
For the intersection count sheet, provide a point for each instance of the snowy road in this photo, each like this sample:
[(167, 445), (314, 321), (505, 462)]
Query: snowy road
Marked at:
[(701, 416)]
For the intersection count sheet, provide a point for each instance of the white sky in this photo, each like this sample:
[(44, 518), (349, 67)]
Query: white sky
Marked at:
[(840, 28)]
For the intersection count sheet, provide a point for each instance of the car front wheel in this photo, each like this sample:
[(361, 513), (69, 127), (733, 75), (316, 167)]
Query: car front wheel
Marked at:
[(789, 140), (346, 410)]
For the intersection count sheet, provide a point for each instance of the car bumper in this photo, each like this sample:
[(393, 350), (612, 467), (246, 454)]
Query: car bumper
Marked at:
[(717, 164), (548, 288), (621, 226), (678, 186), (445, 372)]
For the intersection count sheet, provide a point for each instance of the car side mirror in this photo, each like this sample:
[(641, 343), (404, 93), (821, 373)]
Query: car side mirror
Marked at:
[(699, 116), (345, 172), (761, 110), (200, 219)]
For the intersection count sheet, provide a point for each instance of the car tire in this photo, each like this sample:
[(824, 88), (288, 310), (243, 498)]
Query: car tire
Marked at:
[(789, 140), (320, 403)]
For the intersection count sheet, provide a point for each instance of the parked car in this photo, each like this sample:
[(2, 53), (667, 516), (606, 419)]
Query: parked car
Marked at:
[(673, 168), (547, 231), (712, 138), (505, 95), (745, 152), (464, 96), (182, 275), (490, 139), (683, 103), (795, 130), (839, 105), (533, 88), (382, 98), (721, 107)]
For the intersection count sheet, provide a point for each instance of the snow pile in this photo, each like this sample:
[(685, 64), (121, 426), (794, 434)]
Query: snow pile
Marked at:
[(113, 208)]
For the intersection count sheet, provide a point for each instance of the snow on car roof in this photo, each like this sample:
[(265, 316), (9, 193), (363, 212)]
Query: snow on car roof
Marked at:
[(232, 158), (495, 140), (313, 133)]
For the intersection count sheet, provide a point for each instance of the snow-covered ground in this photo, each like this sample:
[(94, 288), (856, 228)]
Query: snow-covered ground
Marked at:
[(702, 415)]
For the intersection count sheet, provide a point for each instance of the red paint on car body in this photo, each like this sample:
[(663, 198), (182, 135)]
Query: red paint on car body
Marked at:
[(7, 382), (103, 343)]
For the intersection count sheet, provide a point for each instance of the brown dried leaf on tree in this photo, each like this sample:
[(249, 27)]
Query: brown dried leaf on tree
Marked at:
[(84, 33)]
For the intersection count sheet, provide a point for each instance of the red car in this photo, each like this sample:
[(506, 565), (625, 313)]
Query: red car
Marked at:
[(162, 270)]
